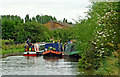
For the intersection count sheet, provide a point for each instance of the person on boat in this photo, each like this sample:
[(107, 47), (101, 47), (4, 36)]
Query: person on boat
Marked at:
[(69, 41), (61, 48), (28, 41), (64, 46), (60, 45)]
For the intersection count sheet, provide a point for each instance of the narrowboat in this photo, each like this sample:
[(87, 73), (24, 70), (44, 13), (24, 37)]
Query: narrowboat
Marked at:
[(70, 50), (53, 49), (34, 49), (29, 50), (39, 48)]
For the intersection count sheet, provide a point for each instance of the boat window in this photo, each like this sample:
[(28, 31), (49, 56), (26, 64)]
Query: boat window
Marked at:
[(68, 48), (41, 47), (51, 48), (72, 48)]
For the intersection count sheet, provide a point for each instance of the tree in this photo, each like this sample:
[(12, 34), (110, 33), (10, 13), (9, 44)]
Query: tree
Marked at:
[(27, 19), (65, 20), (8, 26), (100, 33), (36, 32)]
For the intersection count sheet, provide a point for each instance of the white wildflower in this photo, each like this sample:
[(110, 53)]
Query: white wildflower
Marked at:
[(99, 36), (112, 29), (111, 41), (100, 33), (97, 31), (102, 48), (107, 13), (108, 35), (103, 35), (114, 32), (102, 44), (97, 40), (94, 42)]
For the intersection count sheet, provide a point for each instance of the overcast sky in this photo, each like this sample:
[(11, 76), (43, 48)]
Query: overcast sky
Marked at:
[(59, 8)]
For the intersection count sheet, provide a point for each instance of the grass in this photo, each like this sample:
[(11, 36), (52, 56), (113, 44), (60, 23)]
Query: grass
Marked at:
[(109, 66), (11, 48), (10, 51)]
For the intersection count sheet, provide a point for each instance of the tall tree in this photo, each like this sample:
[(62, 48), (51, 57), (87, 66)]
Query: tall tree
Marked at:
[(65, 20), (27, 19)]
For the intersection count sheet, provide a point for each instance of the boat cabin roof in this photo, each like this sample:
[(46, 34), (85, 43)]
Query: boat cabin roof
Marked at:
[(55, 45)]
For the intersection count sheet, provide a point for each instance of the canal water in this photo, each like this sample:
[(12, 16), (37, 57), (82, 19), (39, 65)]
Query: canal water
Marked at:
[(21, 65)]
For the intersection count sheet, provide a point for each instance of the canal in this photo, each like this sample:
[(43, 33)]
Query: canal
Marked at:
[(21, 65)]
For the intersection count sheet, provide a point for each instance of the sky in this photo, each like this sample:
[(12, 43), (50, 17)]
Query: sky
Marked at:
[(69, 9)]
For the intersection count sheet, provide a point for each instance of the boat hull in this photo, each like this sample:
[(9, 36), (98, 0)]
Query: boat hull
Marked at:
[(29, 54), (72, 55), (52, 53), (39, 53)]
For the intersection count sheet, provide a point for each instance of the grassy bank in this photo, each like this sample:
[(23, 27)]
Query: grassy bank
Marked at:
[(11, 51), (9, 47), (109, 66)]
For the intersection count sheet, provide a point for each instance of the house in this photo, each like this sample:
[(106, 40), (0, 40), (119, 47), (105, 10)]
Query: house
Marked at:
[(56, 25)]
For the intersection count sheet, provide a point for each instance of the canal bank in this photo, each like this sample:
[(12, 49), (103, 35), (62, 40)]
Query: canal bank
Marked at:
[(11, 52), (10, 48)]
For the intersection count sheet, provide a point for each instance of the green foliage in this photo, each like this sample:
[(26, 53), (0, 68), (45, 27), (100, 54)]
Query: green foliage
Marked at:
[(13, 27), (98, 35), (109, 66), (36, 32), (8, 25), (11, 51), (44, 19), (83, 33), (62, 34), (9, 44)]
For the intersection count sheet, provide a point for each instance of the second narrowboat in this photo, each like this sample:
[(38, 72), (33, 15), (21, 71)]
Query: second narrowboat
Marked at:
[(53, 49)]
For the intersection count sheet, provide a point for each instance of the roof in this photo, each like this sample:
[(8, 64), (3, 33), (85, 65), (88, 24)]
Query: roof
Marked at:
[(61, 23)]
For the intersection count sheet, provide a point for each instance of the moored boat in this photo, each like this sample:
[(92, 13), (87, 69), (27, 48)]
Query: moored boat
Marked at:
[(71, 51), (29, 53), (53, 49), (34, 49), (29, 50), (39, 48)]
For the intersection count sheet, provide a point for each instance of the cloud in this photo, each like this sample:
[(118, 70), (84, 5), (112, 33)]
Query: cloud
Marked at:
[(58, 8)]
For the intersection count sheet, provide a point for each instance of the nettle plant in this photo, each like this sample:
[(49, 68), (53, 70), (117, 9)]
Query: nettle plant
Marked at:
[(106, 34)]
